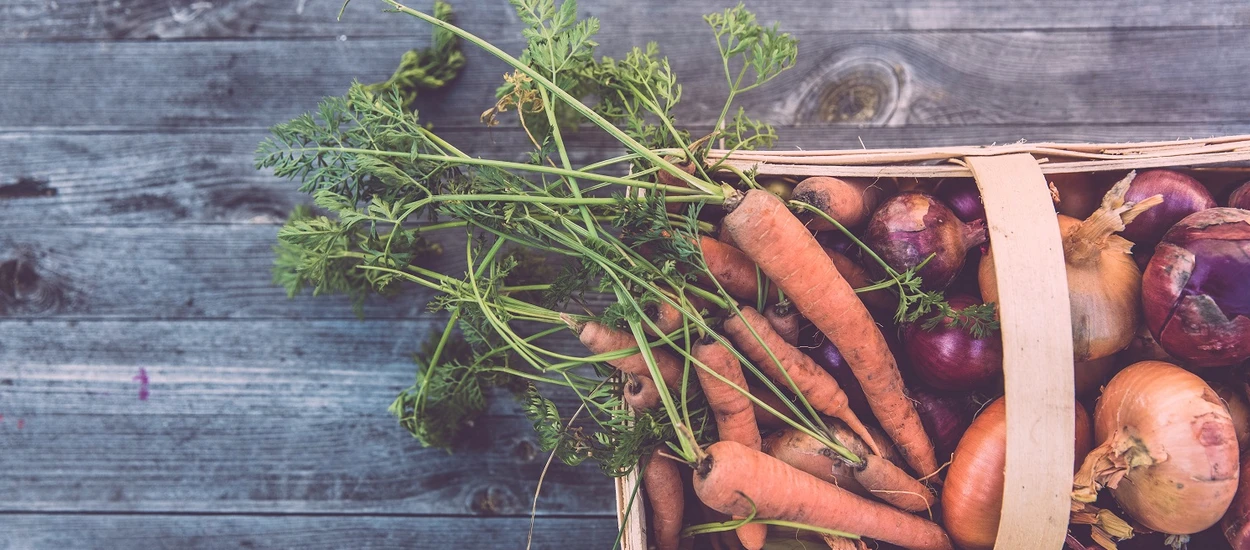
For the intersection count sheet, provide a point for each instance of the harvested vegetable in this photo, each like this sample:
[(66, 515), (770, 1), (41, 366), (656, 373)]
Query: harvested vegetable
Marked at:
[(1236, 521), (734, 479), (640, 392), (822, 350), (1240, 197), (732, 269), (1167, 449), (972, 498), (810, 280), (1235, 399), (1104, 284), (661, 479), (962, 197), (946, 416), (1196, 289), (1080, 193), (911, 229), (808, 454), (1090, 376), (850, 202), (951, 357), (600, 338), (1182, 196), (785, 320)]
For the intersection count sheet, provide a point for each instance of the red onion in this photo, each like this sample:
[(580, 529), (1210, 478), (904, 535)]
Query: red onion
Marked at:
[(945, 417), (819, 348), (948, 357), (963, 198), (1182, 196), (1236, 522), (909, 227), (1081, 193), (1240, 197), (1196, 289)]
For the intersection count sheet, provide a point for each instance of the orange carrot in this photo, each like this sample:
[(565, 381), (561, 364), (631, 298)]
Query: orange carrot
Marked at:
[(662, 482), (792, 258), (600, 338), (641, 393), (736, 480), (785, 320), (806, 453), (817, 385), (735, 418), (849, 201), (666, 317), (858, 277), (731, 268), (890, 483)]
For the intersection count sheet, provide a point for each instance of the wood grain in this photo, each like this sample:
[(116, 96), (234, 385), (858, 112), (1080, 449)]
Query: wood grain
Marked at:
[(180, 19), (862, 78), (177, 178), (176, 532)]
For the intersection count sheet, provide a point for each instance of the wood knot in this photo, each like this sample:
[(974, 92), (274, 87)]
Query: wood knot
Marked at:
[(23, 290), (493, 501), (853, 91)]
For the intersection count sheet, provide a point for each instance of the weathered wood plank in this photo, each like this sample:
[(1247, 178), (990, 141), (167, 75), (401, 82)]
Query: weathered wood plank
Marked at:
[(207, 178), (179, 272), (152, 19), (175, 532), (237, 367), (866, 78)]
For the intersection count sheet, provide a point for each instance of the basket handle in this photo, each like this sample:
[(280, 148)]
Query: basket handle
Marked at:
[(1037, 350)]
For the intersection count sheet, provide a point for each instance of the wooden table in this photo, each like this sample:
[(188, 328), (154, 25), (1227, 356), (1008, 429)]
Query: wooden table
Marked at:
[(157, 391)]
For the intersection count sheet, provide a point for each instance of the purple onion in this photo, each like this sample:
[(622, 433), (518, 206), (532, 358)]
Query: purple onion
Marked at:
[(1182, 196), (963, 198), (836, 241), (945, 417), (909, 227), (827, 356), (948, 357), (1196, 289), (1240, 197)]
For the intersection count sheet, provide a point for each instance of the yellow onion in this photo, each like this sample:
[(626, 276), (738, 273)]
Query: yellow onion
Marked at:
[(1104, 283), (1167, 449)]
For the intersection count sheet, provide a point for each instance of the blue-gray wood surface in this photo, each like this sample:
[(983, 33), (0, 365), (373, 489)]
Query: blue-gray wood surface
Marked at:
[(156, 391)]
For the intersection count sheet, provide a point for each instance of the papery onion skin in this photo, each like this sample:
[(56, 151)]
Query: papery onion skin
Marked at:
[(1182, 196), (1238, 409), (946, 416), (1080, 193), (909, 227), (948, 358), (1157, 412), (1236, 521), (962, 197), (1196, 289), (972, 497), (1240, 197)]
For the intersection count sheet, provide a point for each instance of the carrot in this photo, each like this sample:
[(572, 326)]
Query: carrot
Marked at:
[(662, 482), (736, 480), (666, 317), (890, 483), (640, 392), (785, 320), (808, 454), (731, 268), (792, 258), (850, 201), (600, 338), (735, 418), (858, 277), (817, 385)]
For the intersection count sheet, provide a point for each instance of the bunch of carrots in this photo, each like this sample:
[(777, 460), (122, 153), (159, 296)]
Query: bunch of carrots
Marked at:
[(795, 355)]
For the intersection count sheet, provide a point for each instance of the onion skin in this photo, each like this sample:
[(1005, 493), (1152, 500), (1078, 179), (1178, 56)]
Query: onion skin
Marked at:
[(909, 227), (1091, 375), (1167, 449), (1182, 196), (828, 357), (948, 358), (962, 197), (1238, 409), (1196, 289), (945, 417), (1080, 193), (972, 498), (1236, 522), (1240, 198)]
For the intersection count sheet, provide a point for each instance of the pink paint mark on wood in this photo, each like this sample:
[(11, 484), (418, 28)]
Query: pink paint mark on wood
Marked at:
[(21, 423), (142, 378), (1, 418)]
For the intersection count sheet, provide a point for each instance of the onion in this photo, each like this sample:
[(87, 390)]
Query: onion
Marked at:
[(910, 227), (963, 198), (1091, 375), (1196, 289), (1240, 197), (1144, 347), (945, 417), (1236, 522), (947, 357), (973, 495), (1080, 193), (1104, 284), (827, 355), (1238, 409), (1167, 449), (1182, 196)]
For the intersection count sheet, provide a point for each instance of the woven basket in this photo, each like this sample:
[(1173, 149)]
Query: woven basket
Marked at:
[(1033, 294)]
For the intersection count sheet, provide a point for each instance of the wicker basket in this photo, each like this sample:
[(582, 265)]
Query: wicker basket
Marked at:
[(1033, 294)]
